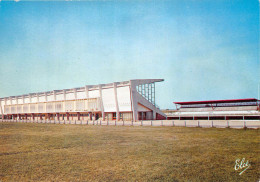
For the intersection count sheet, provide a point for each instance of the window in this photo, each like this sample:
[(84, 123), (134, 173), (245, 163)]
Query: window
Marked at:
[(114, 116)]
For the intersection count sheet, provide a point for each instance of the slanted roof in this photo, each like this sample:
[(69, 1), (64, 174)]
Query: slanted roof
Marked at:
[(216, 101)]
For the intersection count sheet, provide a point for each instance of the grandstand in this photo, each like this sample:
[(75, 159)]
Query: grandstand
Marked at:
[(131, 100), (246, 109)]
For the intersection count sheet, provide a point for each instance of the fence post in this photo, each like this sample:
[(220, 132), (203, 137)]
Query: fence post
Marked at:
[(161, 122), (244, 124), (151, 122), (123, 123), (198, 123), (185, 123), (212, 124), (132, 123), (115, 122), (107, 122), (172, 122), (87, 122), (142, 123), (227, 123)]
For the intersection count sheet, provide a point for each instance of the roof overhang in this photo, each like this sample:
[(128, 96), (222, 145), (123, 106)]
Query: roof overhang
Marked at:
[(216, 101)]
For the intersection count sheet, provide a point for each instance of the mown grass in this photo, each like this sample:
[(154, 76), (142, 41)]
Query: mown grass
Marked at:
[(49, 152)]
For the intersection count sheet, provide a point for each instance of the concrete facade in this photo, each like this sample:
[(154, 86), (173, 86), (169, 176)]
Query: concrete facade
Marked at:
[(127, 100)]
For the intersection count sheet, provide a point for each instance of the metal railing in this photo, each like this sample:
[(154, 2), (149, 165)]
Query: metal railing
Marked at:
[(182, 123)]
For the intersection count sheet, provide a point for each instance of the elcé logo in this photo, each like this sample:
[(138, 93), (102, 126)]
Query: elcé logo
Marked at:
[(242, 165)]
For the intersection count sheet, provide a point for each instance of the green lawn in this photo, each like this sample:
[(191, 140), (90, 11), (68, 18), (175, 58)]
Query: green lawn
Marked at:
[(52, 152)]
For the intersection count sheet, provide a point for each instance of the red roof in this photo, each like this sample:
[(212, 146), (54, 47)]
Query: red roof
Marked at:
[(216, 101)]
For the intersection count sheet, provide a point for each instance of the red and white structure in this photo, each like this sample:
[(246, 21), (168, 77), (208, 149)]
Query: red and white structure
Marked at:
[(216, 109), (131, 100)]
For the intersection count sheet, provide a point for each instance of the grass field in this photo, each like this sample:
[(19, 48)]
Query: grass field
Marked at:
[(49, 152)]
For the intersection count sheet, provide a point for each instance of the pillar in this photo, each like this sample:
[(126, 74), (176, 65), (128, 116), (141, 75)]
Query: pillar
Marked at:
[(86, 90), (90, 116), (101, 102), (68, 116), (133, 101), (78, 115), (116, 101)]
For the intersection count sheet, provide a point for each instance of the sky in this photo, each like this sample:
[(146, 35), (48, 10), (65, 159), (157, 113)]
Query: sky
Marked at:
[(205, 50)]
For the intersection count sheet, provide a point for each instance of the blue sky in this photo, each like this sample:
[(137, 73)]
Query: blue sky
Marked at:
[(204, 49)]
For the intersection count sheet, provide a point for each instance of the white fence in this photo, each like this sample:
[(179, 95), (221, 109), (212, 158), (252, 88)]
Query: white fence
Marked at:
[(185, 123)]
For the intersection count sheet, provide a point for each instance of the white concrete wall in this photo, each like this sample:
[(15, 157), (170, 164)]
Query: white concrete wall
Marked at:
[(50, 97), (34, 99), (124, 99), (108, 97), (60, 97), (70, 96), (93, 93), (26, 100), (81, 95), (20, 101), (42, 99)]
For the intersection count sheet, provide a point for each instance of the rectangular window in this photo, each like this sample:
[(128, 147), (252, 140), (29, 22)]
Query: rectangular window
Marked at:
[(114, 116)]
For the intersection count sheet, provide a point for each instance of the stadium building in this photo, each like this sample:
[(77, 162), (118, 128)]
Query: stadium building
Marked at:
[(128, 100), (245, 109)]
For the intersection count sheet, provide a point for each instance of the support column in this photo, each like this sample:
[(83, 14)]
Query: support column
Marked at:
[(101, 102), (30, 98), (64, 94), (86, 90), (133, 101), (33, 116), (45, 94), (54, 95), (75, 93), (58, 116), (90, 116), (68, 116), (78, 115), (154, 115), (11, 100), (117, 107)]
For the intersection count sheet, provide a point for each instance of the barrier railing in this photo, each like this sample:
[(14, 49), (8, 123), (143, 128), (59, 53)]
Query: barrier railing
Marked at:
[(185, 123)]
